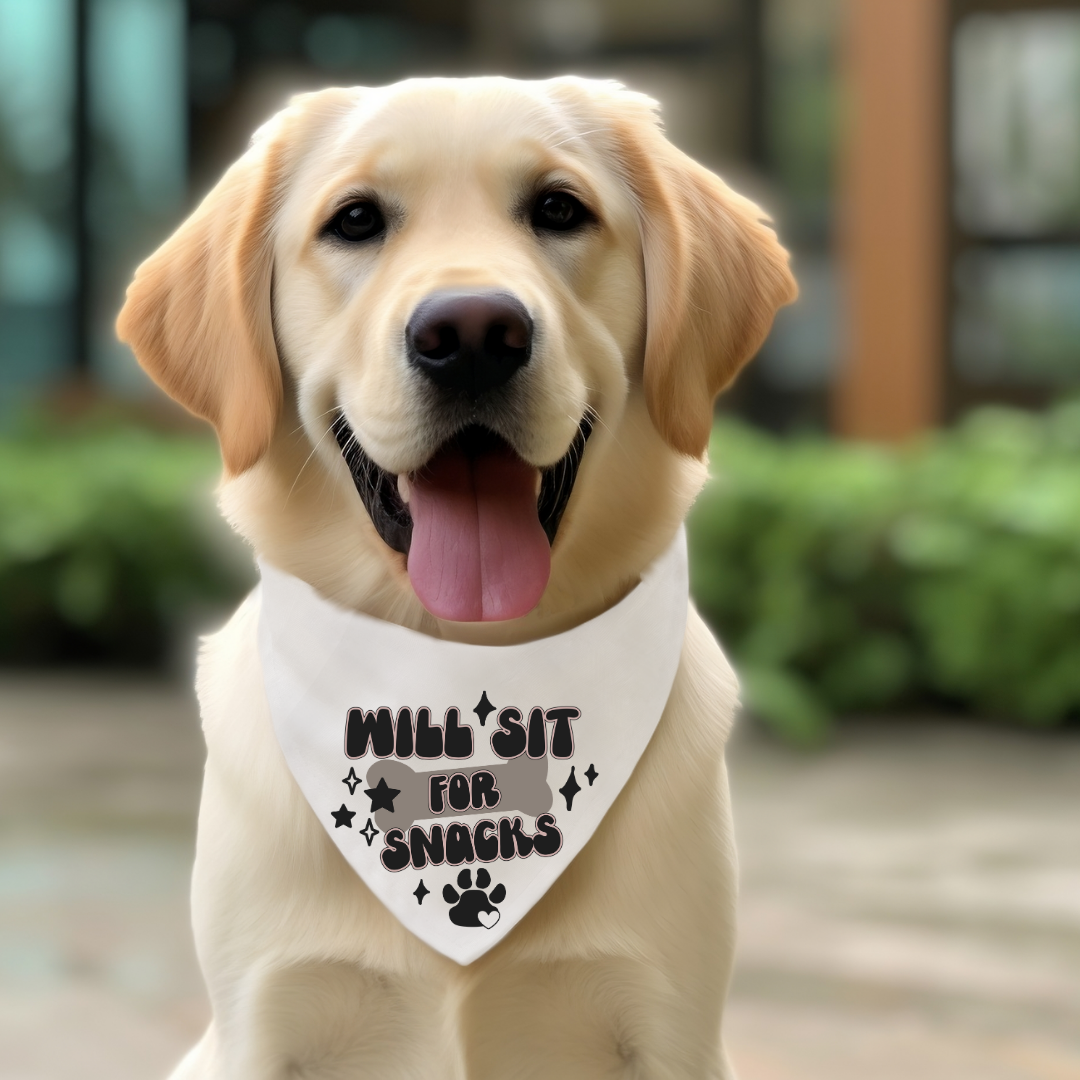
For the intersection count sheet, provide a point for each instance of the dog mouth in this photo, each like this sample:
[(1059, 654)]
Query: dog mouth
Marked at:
[(476, 522)]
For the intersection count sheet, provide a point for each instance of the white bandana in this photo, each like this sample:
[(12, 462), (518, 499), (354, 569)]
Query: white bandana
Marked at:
[(458, 780)]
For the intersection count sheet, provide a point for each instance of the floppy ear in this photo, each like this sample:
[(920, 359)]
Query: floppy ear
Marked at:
[(715, 275), (198, 312)]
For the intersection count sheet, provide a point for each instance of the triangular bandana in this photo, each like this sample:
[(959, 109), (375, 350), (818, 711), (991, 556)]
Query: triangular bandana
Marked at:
[(459, 781)]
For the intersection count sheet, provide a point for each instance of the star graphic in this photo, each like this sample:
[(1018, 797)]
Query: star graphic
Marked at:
[(420, 892), (483, 708), (343, 816), (592, 774), (382, 795), (570, 789), (369, 832), (352, 780)]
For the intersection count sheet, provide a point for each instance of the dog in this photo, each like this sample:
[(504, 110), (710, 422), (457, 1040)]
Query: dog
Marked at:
[(390, 288)]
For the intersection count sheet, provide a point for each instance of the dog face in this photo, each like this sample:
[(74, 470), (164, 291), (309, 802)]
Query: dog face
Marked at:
[(468, 231), (462, 303), (478, 324)]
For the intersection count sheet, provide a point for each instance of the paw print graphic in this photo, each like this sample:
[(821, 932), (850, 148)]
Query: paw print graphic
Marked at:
[(474, 907)]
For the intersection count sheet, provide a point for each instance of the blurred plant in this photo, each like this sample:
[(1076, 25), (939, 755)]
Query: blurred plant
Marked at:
[(841, 577), (109, 545), (848, 577)]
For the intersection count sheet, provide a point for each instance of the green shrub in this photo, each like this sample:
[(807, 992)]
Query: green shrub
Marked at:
[(848, 577), (109, 544), (841, 577)]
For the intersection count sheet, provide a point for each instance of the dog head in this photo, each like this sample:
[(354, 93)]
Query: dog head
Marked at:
[(460, 340)]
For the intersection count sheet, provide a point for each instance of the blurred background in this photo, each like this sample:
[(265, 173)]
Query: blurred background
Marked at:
[(890, 549)]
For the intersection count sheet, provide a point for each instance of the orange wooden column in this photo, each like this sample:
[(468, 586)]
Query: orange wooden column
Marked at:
[(893, 238)]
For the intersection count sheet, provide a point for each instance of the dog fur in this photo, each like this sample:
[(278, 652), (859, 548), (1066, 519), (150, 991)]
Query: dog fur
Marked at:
[(251, 320)]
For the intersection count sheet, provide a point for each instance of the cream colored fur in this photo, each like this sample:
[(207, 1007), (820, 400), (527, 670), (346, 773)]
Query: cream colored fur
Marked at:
[(251, 320)]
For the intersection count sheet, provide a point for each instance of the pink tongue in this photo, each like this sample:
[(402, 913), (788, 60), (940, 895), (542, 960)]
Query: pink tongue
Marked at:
[(478, 552)]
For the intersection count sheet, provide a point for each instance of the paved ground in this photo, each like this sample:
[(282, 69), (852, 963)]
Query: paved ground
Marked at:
[(910, 907), (910, 911)]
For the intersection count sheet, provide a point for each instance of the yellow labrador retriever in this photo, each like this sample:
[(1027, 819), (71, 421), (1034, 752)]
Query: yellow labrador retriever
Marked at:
[(460, 342)]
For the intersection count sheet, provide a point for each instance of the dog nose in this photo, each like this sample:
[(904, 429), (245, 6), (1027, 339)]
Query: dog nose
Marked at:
[(471, 342)]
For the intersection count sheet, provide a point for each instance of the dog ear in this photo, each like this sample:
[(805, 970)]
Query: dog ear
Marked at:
[(715, 275), (198, 314)]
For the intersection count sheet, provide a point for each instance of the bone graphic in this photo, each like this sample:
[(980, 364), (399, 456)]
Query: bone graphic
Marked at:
[(522, 784)]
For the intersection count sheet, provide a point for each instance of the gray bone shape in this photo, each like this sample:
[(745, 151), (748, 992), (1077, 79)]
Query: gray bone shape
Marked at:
[(522, 784)]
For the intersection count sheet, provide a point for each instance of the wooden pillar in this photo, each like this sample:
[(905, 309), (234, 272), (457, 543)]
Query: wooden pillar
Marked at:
[(893, 220)]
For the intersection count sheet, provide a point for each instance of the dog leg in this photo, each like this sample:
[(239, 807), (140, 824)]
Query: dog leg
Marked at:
[(337, 1021), (604, 1019)]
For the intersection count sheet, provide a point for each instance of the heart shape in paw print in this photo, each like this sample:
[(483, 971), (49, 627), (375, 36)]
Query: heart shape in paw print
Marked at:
[(474, 907)]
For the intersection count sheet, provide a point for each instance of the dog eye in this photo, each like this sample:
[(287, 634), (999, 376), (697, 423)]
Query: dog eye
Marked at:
[(358, 221), (558, 210)]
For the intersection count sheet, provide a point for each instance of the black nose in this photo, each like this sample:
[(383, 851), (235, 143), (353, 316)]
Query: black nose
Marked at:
[(469, 341)]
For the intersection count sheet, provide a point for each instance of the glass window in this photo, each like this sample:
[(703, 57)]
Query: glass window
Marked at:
[(1017, 317), (36, 224), (1017, 122), (1016, 167), (128, 195), (138, 170)]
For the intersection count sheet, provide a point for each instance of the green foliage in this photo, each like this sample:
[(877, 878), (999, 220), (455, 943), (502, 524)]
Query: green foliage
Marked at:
[(842, 578), (109, 544), (848, 578)]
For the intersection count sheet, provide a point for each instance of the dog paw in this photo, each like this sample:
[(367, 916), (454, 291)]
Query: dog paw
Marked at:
[(474, 907)]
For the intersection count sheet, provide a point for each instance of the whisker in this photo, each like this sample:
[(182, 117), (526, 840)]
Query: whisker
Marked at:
[(300, 472), (579, 135)]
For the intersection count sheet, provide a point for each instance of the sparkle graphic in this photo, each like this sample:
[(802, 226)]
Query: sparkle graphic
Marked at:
[(369, 832), (483, 708), (382, 795), (420, 892), (570, 789), (343, 816), (592, 774), (352, 780)]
